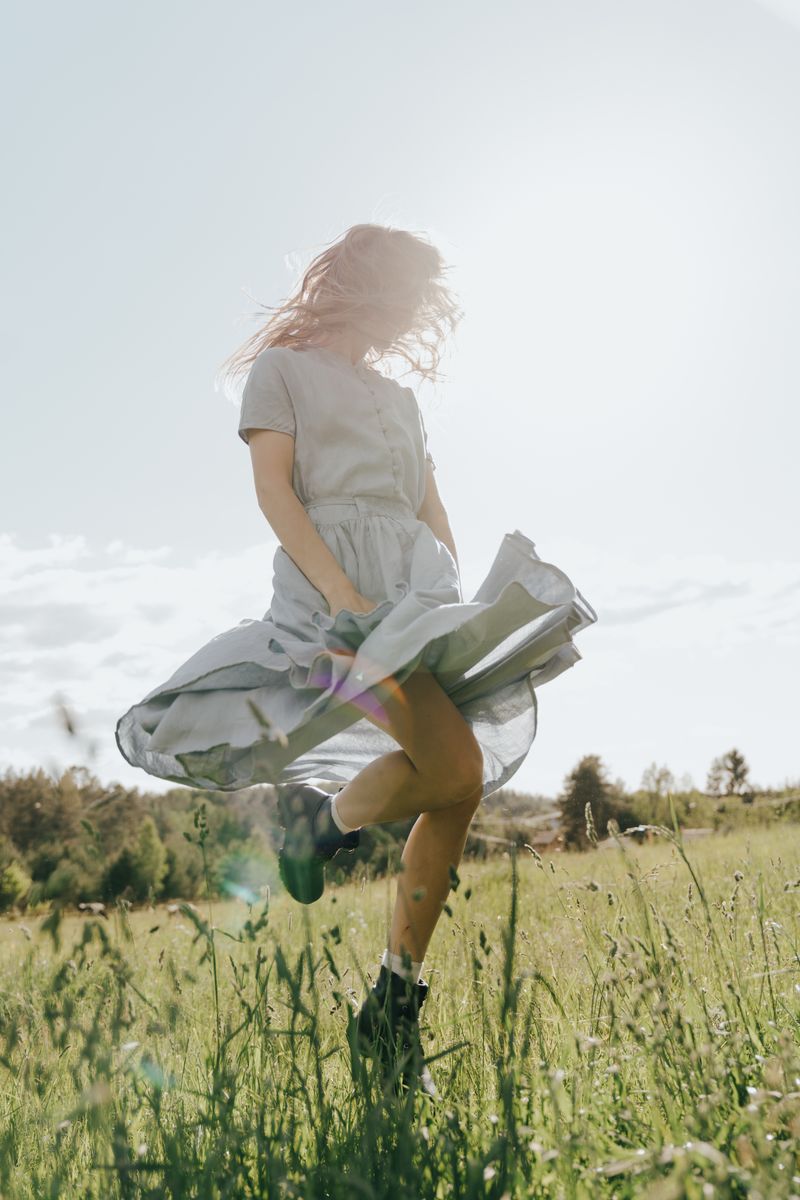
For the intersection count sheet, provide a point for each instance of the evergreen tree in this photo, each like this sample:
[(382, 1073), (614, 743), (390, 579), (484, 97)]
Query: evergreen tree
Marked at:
[(736, 772), (586, 784), (121, 875), (150, 860)]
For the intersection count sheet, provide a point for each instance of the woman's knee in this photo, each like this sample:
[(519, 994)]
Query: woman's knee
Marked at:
[(460, 778), (459, 816), (469, 784), (437, 739)]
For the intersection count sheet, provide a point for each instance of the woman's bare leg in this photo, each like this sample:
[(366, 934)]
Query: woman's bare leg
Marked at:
[(440, 763), (439, 775), (391, 788), (436, 842)]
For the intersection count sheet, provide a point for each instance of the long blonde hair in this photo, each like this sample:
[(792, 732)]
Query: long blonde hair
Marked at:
[(371, 270)]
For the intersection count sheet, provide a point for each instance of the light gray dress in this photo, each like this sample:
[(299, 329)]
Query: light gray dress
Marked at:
[(282, 699)]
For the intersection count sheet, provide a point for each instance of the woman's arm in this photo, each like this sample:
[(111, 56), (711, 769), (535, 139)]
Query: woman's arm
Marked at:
[(433, 512), (272, 455)]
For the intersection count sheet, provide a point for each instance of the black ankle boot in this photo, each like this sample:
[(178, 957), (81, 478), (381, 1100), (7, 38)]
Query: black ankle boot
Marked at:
[(387, 1028), (312, 839)]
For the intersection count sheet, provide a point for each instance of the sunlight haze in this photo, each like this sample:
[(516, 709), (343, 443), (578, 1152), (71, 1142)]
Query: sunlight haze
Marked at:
[(616, 188)]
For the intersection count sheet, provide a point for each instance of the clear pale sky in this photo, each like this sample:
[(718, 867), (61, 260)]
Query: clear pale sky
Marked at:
[(616, 186)]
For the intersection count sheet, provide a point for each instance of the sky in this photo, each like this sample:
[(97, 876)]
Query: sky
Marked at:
[(615, 187)]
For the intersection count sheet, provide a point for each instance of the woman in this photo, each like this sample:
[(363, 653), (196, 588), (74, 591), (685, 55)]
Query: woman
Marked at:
[(369, 669)]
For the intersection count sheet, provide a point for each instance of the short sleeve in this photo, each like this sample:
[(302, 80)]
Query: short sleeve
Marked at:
[(266, 403)]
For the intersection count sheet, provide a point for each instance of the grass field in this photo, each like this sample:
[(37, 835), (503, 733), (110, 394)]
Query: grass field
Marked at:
[(609, 1024)]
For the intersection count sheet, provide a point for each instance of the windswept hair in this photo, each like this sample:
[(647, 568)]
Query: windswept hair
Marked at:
[(372, 271)]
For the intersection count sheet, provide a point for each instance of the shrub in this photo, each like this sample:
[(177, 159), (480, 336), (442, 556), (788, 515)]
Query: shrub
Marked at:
[(15, 883)]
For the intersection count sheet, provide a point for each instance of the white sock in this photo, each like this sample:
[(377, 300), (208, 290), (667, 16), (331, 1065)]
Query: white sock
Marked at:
[(395, 963), (337, 820)]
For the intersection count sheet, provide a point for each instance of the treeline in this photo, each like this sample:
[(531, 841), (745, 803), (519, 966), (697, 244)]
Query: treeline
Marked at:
[(729, 802), (72, 840)]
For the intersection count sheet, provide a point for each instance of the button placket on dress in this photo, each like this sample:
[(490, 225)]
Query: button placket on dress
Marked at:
[(363, 373), (392, 452)]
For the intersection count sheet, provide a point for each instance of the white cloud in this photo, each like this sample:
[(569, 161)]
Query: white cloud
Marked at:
[(99, 627), (696, 599)]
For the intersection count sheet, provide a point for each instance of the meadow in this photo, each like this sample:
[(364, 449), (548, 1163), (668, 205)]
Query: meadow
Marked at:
[(619, 1023)]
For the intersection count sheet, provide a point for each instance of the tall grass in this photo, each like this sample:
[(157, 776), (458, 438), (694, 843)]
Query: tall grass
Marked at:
[(612, 1024)]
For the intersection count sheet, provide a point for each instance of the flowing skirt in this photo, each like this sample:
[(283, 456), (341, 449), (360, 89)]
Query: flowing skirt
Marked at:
[(282, 699)]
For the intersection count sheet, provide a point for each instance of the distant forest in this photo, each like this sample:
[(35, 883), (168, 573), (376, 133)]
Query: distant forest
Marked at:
[(72, 840)]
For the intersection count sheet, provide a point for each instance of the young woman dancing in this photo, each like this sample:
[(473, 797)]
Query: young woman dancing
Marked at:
[(369, 671)]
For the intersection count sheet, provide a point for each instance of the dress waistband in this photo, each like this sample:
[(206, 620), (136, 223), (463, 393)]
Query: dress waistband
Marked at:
[(357, 506)]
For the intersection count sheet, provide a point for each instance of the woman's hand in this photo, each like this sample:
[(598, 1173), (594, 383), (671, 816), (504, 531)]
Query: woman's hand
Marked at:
[(351, 599)]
